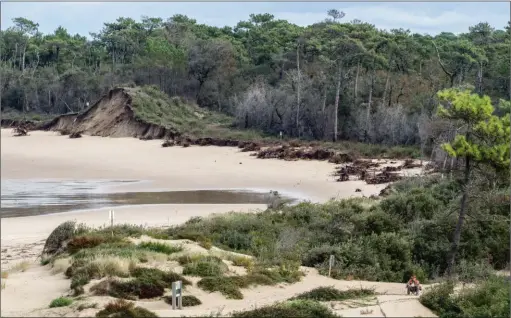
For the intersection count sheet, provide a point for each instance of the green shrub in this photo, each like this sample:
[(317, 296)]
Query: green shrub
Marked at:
[(438, 299), (133, 289), (57, 237), (188, 300), (333, 294), (146, 283), (228, 286), (61, 302), (296, 308), (242, 261), (90, 241), (136, 288), (124, 309), (205, 267), (160, 247), (489, 298), (320, 254)]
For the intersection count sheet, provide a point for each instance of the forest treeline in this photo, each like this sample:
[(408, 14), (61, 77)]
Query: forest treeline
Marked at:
[(330, 80)]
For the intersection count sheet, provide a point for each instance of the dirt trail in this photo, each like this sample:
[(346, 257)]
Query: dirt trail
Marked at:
[(395, 302)]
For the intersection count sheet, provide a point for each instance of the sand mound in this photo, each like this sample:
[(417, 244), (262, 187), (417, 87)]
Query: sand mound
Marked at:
[(140, 112)]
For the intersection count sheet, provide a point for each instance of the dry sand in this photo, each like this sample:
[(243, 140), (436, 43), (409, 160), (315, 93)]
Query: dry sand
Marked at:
[(49, 155)]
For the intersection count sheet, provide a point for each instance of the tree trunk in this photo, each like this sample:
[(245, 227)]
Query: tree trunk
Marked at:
[(336, 106), (323, 107), (368, 114), (480, 78), (461, 219), (298, 90), (23, 59), (387, 81), (356, 81)]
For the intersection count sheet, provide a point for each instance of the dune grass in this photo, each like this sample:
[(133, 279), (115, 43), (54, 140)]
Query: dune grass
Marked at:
[(160, 247), (21, 266), (61, 302)]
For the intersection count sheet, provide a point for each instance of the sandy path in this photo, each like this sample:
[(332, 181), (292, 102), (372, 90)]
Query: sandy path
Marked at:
[(30, 290), (395, 301)]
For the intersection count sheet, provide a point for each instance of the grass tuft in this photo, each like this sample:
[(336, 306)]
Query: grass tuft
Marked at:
[(61, 302), (160, 247)]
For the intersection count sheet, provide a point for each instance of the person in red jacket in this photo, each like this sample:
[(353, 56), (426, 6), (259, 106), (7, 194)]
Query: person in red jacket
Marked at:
[(414, 280)]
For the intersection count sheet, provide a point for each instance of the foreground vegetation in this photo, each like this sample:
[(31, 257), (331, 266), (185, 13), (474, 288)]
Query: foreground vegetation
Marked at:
[(488, 298)]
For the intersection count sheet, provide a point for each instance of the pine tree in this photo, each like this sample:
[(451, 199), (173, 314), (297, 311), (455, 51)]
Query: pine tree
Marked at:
[(483, 138)]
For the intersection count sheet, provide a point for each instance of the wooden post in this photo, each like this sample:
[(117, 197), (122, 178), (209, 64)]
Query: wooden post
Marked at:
[(111, 216), (330, 264)]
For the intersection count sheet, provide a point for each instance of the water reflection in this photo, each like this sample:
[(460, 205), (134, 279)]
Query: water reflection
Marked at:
[(27, 197)]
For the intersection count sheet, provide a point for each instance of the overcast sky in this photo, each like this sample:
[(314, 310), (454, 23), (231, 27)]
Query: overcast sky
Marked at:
[(421, 17)]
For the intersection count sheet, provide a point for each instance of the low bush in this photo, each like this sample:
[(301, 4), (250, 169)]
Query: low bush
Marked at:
[(489, 298), (61, 302), (205, 267), (242, 261), (124, 309), (146, 283), (133, 289), (295, 308), (230, 286), (160, 247), (55, 241), (333, 294), (91, 240), (188, 300)]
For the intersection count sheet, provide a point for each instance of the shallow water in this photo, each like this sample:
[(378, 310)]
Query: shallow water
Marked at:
[(36, 197)]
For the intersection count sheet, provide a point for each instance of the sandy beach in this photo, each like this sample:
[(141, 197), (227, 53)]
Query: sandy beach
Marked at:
[(49, 155)]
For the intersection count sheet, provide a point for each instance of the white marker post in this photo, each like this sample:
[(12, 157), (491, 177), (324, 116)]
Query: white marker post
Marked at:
[(111, 216), (281, 135), (330, 264), (177, 295)]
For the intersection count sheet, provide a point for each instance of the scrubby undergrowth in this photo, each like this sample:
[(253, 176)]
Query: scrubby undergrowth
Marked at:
[(124, 309), (407, 232), (488, 298)]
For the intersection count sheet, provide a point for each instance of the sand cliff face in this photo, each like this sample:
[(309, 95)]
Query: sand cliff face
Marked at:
[(113, 116)]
